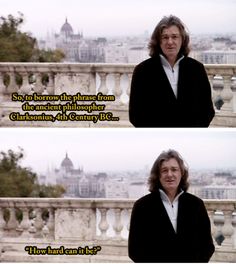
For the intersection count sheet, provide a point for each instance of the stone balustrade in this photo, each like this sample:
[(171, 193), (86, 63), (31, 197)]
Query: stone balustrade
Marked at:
[(89, 230), (222, 215), (223, 82), (107, 79)]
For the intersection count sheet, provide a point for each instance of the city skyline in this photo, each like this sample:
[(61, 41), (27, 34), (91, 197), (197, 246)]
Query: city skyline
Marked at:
[(131, 17), (102, 150)]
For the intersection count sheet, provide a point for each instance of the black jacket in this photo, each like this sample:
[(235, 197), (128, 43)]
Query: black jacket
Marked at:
[(152, 237), (153, 103)]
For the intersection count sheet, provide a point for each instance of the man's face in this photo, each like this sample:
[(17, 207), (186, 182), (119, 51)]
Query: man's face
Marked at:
[(170, 175), (171, 41)]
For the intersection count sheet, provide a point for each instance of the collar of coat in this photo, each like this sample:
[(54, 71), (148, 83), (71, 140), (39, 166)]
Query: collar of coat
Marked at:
[(164, 196), (165, 62)]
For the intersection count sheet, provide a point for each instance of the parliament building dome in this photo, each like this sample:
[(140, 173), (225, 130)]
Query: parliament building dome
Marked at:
[(67, 164), (67, 29)]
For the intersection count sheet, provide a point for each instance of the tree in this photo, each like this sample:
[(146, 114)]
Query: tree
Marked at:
[(18, 181), (17, 46), (53, 191), (50, 55)]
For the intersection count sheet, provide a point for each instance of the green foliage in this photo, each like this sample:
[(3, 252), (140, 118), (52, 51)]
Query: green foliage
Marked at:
[(18, 181), (49, 191), (15, 180), (50, 55), (17, 46)]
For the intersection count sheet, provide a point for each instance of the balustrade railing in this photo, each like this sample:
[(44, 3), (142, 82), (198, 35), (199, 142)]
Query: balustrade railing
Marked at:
[(223, 81), (108, 79), (102, 223)]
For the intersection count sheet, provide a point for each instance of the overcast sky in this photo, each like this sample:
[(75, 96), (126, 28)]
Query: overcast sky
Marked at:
[(121, 17), (120, 149)]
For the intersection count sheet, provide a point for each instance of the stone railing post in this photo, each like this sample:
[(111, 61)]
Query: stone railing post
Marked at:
[(45, 230), (218, 221), (217, 87), (50, 86), (51, 221), (103, 225), (38, 86), (25, 223), (227, 95), (12, 87), (129, 216), (234, 227), (213, 228), (2, 225), (2, 222), (2, 86), (103, 88), (118, 90), (38, 222), (12, 223), (92, 82), (233, 88), (227, 229), (26, 87), (118, 226), (129, 83), (214, 93)]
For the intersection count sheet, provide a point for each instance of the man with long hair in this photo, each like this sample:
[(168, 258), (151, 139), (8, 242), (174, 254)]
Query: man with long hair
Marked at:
[(170, 89), (169, 224)]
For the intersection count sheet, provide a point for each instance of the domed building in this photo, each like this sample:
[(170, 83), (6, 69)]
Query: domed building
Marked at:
[(78, 49), (67, 33), (77, 183), (66, 30), (69, 42), (66, 164)]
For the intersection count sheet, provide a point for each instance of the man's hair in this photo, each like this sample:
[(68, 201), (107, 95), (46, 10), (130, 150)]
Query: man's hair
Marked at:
[(154, 179), (167, 21)]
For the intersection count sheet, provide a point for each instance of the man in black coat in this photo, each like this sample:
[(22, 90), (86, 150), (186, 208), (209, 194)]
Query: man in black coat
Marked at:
[(169, 224), (170, 89)]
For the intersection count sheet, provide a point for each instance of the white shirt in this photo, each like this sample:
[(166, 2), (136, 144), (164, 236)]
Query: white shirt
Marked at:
[(171, 72), (171, 208)]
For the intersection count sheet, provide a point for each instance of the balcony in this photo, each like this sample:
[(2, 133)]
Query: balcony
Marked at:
[(88, 230), (91, 79)]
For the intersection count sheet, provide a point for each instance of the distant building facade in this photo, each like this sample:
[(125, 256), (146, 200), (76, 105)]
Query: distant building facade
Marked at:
[(124, 52), (79, 184), (68, 42), (137, 189), (218, 57), (220, 185), (218, 192), (75, 47), (116, 188)]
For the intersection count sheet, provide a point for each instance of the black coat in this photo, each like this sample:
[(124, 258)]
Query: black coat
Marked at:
[(152, 237), (153, 103)]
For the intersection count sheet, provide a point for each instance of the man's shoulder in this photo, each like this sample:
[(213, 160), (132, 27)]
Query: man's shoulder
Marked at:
[(191, 62), (191, 198), (147, 199), (147, 63)]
